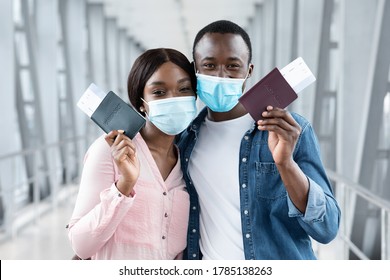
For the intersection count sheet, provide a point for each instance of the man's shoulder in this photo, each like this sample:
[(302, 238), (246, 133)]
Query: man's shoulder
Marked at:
[(301, 120)]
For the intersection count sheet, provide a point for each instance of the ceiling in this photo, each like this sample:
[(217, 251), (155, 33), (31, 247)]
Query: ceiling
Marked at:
[(174, 23)]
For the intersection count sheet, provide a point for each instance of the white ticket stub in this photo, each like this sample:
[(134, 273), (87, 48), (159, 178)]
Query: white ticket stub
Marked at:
[(91, 99), (298, 74)]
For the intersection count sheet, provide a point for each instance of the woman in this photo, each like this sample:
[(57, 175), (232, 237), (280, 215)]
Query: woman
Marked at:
[(132, 202)]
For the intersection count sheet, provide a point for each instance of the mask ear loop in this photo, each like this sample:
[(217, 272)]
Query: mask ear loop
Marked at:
[(144, 100), (144, 111), (247, 75), (245, 79)]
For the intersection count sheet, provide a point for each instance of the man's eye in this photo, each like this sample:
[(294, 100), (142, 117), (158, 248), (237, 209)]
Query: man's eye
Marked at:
[(233, 66), (208, 65)]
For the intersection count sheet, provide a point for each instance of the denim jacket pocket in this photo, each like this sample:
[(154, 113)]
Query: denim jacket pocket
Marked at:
[(268, 181)]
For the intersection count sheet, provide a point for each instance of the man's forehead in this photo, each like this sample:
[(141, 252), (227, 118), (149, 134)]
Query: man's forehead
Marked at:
[(213, 45)]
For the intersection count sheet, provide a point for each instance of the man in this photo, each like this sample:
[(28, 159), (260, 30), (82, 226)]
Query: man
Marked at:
[(258, 190)]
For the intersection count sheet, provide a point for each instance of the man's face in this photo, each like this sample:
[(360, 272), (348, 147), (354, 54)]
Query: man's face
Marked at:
[(222, 55)]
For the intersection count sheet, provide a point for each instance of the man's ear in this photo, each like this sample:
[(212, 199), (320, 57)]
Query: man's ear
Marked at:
[(250, 70)]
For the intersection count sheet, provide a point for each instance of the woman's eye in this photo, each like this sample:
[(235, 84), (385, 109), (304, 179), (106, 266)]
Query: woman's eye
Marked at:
[(185, 89), (158, 92)]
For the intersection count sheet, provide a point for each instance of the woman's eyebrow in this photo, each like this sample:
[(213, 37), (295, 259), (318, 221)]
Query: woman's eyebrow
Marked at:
[(156, 83), (186, 79)]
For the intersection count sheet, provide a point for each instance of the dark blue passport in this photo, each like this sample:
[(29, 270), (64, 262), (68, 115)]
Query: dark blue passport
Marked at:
[(114, 114)]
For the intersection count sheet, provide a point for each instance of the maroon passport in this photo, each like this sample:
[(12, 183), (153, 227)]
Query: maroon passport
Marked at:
[(272, 90)]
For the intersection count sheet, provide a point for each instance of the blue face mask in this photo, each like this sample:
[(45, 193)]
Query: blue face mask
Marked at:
[(219, 94), (172, 115)]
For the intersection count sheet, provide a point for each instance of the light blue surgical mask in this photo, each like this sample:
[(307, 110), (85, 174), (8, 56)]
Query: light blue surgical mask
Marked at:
[(172, 115), (219, 94)]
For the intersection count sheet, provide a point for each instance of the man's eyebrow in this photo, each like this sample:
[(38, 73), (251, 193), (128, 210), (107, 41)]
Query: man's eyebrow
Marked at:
[(208, 58), (234, 58), (211, 58)]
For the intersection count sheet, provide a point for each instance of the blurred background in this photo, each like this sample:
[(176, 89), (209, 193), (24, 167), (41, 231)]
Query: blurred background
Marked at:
[(51, 50)]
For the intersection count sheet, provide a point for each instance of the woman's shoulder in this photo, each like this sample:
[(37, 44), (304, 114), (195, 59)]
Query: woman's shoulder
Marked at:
[(98, 148)]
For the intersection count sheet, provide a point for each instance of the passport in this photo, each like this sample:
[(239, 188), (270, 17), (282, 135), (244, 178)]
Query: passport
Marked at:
[(110, 112), (278, 88)]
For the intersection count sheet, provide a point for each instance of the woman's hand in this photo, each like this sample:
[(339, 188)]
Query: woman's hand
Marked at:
[(125, 156)]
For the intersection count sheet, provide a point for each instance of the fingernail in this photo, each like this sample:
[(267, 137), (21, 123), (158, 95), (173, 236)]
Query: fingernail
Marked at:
[(121, 131)]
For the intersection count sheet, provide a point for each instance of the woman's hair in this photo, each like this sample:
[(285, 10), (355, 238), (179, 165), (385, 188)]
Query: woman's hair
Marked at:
[(148, 63)]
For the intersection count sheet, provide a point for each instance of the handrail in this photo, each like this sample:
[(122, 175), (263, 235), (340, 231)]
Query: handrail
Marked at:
[(343, 184), (25, 152), (11, 223), (360, 190)]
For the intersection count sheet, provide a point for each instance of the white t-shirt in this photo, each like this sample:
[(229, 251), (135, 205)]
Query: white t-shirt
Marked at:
[(213, 168)]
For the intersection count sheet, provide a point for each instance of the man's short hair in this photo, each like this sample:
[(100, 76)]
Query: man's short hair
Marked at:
[(223, 27)]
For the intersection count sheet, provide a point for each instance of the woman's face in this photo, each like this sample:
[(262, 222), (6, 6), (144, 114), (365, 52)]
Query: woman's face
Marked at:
[(169, 100), (168, 81)]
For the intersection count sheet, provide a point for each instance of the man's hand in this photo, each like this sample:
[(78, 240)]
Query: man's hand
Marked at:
[(283, 133)]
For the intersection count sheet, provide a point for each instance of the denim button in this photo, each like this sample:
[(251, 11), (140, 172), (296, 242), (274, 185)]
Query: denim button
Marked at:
[(247, 235), (244, 159), (246, 212), (243, 186)]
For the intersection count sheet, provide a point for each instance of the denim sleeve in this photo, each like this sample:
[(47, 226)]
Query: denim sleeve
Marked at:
[(322, 215), (316, 205)]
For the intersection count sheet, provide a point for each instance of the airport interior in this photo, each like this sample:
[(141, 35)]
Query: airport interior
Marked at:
[(52, 50)]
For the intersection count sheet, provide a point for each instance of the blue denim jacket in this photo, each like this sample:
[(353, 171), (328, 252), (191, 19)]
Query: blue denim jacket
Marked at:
[(272, 227)]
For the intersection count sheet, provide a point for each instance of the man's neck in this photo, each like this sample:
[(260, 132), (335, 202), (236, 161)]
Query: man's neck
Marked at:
[(236, 112)]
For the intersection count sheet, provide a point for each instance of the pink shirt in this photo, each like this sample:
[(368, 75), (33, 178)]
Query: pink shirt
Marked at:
[(109, 225)]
